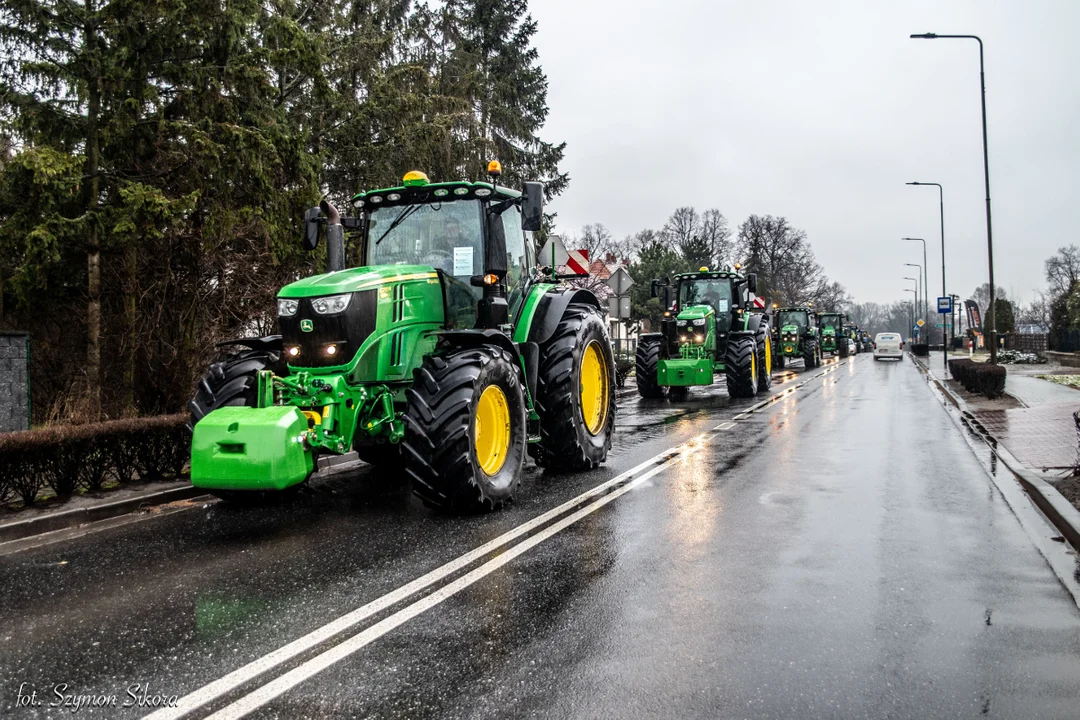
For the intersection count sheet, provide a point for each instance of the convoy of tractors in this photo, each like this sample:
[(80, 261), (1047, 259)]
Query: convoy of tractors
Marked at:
[(449, 354)]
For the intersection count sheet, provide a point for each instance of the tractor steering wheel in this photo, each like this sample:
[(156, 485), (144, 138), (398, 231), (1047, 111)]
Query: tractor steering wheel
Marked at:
[(441, 259)]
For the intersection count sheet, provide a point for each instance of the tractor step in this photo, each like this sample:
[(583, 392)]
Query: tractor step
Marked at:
[(329, 461)]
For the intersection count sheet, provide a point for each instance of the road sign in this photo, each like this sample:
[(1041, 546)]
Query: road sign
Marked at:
[(554, 252), (920, 322), (619, 307), (944, 305), (759, 302), (578, 261), (620, 281), (943, 326)]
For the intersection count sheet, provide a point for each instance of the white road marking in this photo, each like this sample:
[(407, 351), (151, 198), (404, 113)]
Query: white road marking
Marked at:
[(227, 683)]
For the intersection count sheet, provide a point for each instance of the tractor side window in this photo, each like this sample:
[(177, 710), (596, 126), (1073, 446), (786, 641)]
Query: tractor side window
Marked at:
[(515, 249)]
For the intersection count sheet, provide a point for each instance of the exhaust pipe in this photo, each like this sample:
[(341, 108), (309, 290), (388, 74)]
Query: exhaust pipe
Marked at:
[(335, 238)]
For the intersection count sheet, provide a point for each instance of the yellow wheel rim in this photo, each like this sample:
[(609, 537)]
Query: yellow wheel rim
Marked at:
[(594, 388), (768, 354), (753, 369), (492, 430)]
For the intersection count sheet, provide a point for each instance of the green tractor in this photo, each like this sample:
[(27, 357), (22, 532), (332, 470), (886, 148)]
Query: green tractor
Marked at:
[(798, 338), (833, 333), (709, 329), (447, 354)]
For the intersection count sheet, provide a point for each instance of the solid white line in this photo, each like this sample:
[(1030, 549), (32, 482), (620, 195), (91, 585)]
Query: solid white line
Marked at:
[(238, 677), (317, 664)]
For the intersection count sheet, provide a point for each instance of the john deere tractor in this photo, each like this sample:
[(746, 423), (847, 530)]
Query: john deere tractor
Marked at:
[(446, 353), (832, 332), (709, 329), (798, 338)]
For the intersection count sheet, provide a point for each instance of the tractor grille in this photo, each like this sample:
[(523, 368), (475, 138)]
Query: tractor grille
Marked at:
[(346, 331)]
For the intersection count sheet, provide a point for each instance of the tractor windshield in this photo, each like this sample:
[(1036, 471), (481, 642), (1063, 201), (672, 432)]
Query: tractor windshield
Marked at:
[(714, 292), (799, 318), (445, 235), (830, 321)]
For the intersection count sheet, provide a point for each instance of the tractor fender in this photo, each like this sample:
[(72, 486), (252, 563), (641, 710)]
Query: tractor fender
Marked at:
[(268, 343), (477, 338), (550, 311), (526, 352)]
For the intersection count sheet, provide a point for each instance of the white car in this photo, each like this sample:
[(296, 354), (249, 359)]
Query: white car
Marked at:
[(888, 345)]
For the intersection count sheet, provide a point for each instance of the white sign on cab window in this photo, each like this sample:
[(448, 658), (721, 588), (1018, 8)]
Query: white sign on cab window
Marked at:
[(463, 261)]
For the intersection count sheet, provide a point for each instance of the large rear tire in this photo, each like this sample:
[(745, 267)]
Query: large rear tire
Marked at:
[(764, 358), (646, 360), (464, 442), (741, 367), (575, 393)]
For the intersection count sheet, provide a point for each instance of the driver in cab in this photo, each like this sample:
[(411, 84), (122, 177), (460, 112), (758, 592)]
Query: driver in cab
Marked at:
[(442, 247)]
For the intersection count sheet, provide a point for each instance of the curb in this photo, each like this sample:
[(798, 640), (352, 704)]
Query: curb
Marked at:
[(71, 518), (1061, 513)]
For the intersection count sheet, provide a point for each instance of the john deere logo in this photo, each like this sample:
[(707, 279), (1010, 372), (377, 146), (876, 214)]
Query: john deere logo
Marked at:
[(306, 325)]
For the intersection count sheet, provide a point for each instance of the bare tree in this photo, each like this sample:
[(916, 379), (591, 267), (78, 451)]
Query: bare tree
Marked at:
[(1063, 270), (716, 235), (787, 271)]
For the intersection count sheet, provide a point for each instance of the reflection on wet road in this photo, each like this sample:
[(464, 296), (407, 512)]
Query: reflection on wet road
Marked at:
[(837, 552)]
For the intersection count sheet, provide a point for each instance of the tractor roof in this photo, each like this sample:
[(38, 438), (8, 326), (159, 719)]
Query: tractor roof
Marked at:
[(416, 188), (707, 274), (804, 308)]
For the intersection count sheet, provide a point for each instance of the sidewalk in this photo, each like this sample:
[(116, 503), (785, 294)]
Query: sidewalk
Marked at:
[(1034, 421)]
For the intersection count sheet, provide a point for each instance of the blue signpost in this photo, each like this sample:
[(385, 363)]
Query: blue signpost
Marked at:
[(944, 305)]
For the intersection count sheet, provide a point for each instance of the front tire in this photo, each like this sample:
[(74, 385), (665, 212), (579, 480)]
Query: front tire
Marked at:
[(575, 393), (842, 349), (810, 355), (764, 358), (646, 361), (740, 367), (464, 442)]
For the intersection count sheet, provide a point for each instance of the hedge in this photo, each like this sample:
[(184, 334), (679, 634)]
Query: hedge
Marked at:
[(74, 458), (982, 378), (920, 349)]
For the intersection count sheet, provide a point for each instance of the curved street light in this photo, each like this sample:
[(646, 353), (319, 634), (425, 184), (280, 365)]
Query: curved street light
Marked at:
[(941, 206), (991, 320)]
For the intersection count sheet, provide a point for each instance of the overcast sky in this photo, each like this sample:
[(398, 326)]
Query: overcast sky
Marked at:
[(821, 111)]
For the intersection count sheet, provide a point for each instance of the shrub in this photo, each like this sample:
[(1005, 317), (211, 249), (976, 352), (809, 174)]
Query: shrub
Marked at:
[(982, 378), (920, 349), (84, 457)]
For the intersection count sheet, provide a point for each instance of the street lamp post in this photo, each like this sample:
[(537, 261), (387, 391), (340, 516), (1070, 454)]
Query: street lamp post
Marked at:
[(990, 315), (941, 206), (925, 266), (921, 285), (912, 313), (914, 310)]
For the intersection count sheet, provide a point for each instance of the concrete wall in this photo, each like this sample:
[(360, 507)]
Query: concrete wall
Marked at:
[(14, 386), (1066, 359)]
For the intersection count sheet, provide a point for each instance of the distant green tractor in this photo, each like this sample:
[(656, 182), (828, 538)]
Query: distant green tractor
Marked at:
[(710, 329), (832, 333), (446, 354), (798, 337)]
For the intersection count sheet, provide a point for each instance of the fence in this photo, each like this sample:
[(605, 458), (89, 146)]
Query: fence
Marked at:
[(624, 346), (1037, 342)]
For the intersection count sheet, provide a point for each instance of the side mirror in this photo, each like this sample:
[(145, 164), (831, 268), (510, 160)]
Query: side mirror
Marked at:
[(532, 206), (312, 229), (495, 262), (751, 282), (654, 288)]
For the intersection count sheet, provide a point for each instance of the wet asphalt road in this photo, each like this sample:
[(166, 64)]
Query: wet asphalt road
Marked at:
[(840, 552)]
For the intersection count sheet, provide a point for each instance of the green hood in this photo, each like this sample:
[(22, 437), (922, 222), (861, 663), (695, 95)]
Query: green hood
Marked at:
[(695, 312), (353, 279)]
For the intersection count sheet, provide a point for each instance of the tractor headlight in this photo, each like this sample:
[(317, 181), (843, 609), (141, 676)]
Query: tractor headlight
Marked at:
[(699, 321), (681, 323), (331, 304), (287, 308), (682, 338), (699, 339)]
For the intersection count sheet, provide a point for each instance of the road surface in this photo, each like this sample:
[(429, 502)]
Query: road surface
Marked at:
[(840, 550)]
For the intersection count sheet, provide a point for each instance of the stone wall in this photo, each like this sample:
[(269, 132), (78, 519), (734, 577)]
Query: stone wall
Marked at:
[(14, 388)]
